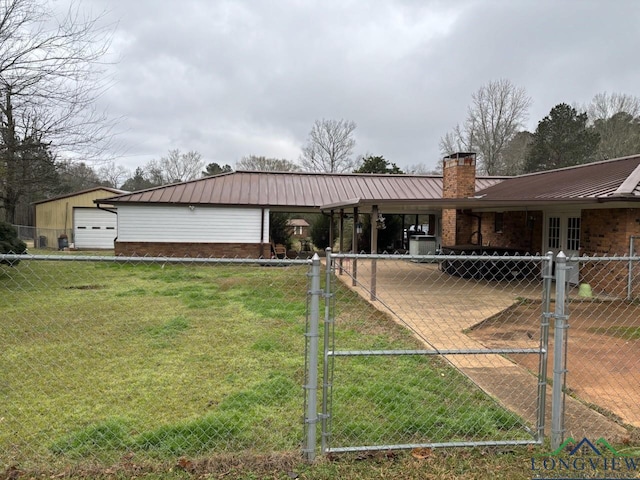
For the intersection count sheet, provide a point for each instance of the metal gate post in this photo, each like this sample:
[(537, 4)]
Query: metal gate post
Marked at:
[(311, 387), (547, 277), (632, 253), (328, 328), (559, 354)]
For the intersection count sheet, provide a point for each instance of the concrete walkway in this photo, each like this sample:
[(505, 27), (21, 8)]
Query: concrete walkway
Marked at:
[(439, 308)]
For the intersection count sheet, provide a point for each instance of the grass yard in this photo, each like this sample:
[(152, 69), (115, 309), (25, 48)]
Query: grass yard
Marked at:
[(106, 362)]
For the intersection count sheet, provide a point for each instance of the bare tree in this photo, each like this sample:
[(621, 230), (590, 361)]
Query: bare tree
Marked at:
[(153, 173), (460, 139), (265, 164), (423, 169), (329, 147), (515, 153), (616, 118), (181, 167), (497, 112), (606, 105), (50, 77), (112, 175)]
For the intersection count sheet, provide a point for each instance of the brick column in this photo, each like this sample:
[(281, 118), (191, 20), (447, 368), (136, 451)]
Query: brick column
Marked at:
[(458, 181)]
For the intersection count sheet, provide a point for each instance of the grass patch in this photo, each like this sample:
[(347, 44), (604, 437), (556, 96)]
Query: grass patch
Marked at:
[(502, 463), (173, 360), (169, 329), (108, 435), (222, 431), (626, 333)]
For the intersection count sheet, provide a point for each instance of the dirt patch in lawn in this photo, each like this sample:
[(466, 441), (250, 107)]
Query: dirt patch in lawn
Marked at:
[(603, 359)]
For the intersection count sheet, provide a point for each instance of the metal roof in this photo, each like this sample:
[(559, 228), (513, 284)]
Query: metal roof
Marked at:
[(294, 189), (616, 179), (297, 222), (114, 191)]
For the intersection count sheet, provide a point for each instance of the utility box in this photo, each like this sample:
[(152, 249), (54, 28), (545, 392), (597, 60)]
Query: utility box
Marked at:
[(422, 245)]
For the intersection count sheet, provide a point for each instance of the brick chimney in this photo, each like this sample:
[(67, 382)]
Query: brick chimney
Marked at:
[(458, 181)]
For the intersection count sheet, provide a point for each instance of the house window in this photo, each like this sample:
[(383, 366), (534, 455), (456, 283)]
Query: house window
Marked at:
[(554, 232), (498, 222), (573, 233), (297, 230)]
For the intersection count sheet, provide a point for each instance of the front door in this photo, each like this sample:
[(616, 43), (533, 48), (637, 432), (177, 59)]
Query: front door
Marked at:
[(562, 234)]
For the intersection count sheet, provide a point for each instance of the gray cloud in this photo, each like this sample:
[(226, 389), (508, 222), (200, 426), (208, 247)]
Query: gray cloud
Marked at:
[(233, 78)]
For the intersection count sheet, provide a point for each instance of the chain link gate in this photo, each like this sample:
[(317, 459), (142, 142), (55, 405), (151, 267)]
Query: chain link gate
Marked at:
[(433, 373)]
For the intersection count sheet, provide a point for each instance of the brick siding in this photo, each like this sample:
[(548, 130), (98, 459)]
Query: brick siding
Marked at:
[(193, 250), (458, 181), (520, 230), (606, 233)]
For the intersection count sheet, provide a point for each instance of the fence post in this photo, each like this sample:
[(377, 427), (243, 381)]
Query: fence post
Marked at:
[(328, 327), (547, 277), (559, 354), (311, 387), (632, 252)]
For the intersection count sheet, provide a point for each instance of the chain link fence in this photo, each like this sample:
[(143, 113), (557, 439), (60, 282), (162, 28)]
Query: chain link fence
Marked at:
[(459, 351), (44, 238), (109, 357), (603, 341), (104, 358), (441, 369)]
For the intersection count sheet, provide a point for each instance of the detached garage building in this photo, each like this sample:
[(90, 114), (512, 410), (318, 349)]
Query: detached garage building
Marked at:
[(75, 217)]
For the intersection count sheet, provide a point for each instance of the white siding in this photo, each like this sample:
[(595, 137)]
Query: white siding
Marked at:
[(197, 224)]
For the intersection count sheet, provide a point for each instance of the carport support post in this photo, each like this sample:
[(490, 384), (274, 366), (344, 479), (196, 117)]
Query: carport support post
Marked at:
[(354, 249), (311, 415), (559, 359), (341, 245), (374, 249)]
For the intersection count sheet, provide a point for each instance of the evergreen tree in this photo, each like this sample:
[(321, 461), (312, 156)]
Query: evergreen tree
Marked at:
[(377, 164), (319, 232), (562, 139), (139, 181), (216, 169), (279, 230)]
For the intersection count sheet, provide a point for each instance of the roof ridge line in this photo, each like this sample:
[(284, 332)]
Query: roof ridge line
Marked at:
[(630, 183), (600, 162)]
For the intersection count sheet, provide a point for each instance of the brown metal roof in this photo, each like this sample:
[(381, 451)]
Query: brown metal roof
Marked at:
[(297, 222), (294, 189), (616, 179), (114, 191)]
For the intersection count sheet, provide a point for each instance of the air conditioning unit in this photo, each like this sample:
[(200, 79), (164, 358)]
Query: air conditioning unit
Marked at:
[(422, 245)]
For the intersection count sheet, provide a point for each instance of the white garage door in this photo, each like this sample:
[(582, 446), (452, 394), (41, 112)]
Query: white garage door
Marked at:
[(94, 228)]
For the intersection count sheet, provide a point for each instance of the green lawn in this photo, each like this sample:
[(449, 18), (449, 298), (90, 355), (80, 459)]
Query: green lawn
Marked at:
[(104, 360)]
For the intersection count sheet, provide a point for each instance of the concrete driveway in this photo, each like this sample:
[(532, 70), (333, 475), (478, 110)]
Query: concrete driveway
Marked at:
[(439, 308)]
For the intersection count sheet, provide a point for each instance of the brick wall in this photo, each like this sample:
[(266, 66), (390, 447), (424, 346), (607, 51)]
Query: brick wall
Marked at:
[(606, 233), (521, 230), (458, 181), (459, 177), (449, 227), (202, 250)]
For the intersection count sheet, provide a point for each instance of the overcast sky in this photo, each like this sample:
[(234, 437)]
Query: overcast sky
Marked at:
[(236, 78)]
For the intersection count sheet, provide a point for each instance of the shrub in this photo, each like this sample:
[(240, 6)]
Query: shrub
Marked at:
[(10, 243)]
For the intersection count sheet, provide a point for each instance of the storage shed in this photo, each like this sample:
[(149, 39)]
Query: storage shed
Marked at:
[(73, 219)]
